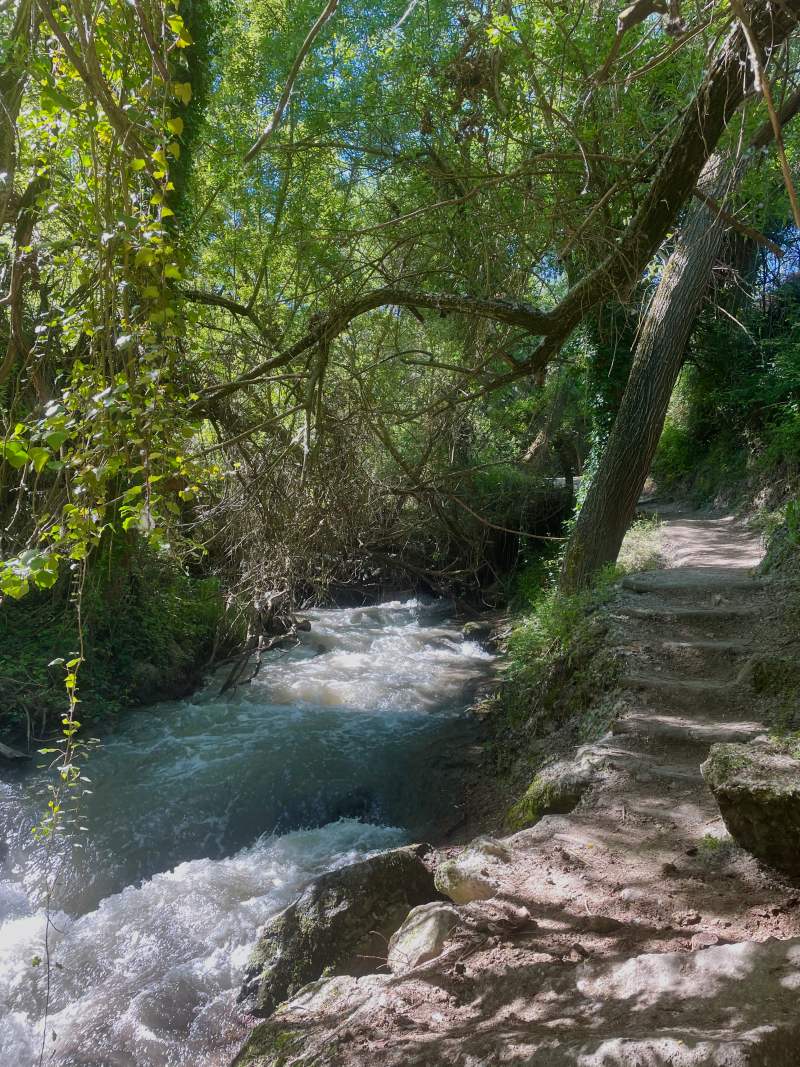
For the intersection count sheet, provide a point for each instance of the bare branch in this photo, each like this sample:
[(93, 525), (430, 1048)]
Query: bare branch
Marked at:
[(763, 85), (147, 33), (736, 224), (331, 326), (277, 115)]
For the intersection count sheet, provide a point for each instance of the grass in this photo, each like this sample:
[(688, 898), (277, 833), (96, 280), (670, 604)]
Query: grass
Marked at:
[(642, 549), (560, 674)]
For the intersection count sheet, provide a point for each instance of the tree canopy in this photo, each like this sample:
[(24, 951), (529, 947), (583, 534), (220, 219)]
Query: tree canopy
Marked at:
[(289, 291)]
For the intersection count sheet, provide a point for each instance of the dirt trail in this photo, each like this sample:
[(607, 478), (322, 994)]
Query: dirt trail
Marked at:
[(632, 931)]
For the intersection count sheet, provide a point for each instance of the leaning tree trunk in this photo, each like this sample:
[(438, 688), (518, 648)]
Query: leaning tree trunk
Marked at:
[(665, 330)]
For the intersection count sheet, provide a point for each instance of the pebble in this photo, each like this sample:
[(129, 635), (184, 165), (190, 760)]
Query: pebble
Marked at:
[(705, 939), (600, 924)]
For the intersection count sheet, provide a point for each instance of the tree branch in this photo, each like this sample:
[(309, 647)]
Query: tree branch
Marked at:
[(90, 74), (331, 326), (704, 122), (736, 224), (199, 296), (277, 115), (763, 85)]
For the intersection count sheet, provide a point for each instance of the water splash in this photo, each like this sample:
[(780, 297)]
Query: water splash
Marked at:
[(194, 838)]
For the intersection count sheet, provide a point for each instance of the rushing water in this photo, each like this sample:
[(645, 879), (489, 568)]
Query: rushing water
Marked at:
[(205, 818)]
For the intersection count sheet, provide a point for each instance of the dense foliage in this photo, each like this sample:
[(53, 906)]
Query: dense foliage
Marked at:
[(361, 348)]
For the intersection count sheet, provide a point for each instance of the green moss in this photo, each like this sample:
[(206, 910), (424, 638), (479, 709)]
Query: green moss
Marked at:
[(776, 675), (531, 805), (148, 630), (725, 760), (789, 741), (268, 1047)]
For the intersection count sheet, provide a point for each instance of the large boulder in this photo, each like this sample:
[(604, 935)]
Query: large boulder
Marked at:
[(757, 788), (422, 936), (476, 873), (338, 926)]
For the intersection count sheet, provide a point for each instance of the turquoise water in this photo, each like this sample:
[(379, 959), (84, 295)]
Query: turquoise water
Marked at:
[(206, 817)]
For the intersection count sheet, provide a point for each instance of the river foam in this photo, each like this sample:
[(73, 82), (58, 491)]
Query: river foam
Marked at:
[(196, 836)]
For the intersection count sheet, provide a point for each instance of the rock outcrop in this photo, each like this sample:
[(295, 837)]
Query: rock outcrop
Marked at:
[(339, 925), (475, 874), (757, 788), (724, 1006), (422, 936)]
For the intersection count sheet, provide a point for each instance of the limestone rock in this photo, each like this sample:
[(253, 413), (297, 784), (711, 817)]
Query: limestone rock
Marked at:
[(725, 1006), (480, 631), (556, 790), (338, 925), (422, 936), (272, 1043), (757, 788), (473, 874)]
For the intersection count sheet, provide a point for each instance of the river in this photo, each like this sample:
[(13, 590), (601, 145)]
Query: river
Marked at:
[(208, 815)]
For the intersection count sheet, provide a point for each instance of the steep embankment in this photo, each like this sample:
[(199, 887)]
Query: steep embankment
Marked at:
[(631, 931)]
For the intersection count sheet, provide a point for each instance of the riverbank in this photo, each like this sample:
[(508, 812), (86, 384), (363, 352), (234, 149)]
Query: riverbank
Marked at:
[(631, 928)]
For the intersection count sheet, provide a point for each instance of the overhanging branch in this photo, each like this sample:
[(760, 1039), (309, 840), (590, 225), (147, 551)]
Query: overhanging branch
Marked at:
[(703, 123), (331, 326)]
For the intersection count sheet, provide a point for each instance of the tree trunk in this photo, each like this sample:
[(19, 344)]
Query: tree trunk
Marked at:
[(667, 325)]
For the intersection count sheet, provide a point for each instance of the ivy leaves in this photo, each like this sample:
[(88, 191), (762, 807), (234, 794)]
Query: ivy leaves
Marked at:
[(33, 567)]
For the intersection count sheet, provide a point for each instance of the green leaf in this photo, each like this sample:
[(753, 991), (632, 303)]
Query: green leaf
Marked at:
[(183, 91), (39, 457), (45, 579), (14, 453), (53, 99), (13, 586), (56, 438)]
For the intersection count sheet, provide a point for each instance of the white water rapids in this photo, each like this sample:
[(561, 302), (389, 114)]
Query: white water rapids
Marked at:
[(206, 817)]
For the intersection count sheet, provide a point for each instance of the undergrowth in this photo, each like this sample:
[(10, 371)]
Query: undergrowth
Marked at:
[(560, 673), (559, 632), (149, 630)]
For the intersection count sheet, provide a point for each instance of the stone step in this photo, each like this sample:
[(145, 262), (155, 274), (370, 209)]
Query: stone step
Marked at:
[(684, 728), (687, 694), (715, 660), (683, 623), (697, 582)]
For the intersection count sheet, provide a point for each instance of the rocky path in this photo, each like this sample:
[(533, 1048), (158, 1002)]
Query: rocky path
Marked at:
[(632, 930)]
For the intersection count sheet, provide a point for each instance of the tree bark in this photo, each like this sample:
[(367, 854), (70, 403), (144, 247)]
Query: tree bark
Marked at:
[(14, 74), (666, 327)]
